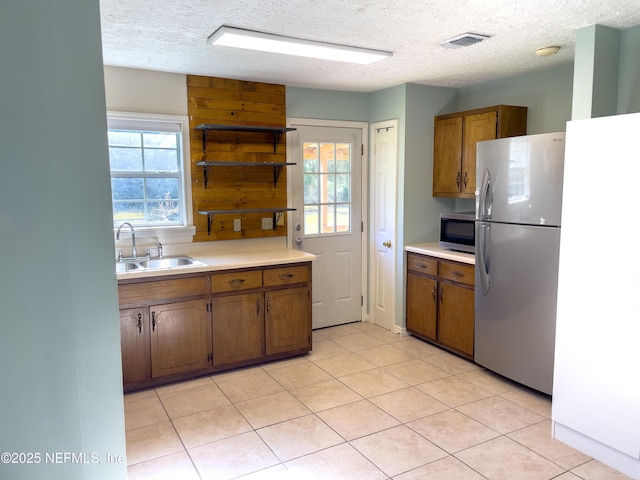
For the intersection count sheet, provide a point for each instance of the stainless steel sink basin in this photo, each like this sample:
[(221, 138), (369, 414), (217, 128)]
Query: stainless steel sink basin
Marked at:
[(126, 267), (156, 264), (169, 262)]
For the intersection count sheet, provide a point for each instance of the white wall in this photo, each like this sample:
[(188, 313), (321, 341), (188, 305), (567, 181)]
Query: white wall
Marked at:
[(145, 91)]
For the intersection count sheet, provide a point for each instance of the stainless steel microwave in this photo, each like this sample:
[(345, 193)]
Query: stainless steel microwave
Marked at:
[(458, 231)]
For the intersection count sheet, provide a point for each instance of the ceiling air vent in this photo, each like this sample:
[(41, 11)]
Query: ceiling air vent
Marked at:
[(464, 40)]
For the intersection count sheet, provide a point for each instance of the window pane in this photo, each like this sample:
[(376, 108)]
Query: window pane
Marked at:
[(160, 140), (343, 157), (127, 188), (327, 157), (311, 220), (327, 218), (162, 188), (163, 211), (311, 166), (156, 160), (343, 217), (123, 138), (343, 188), (311, 190), (125, 159), (328, 188), (132, 212)]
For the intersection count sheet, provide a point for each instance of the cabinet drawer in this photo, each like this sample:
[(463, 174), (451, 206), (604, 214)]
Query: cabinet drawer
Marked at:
[(422, 264), (457, 272), (286, 275), (161, 290), (228, 282)]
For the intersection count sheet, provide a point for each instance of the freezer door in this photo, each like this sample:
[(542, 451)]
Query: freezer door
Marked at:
[(515, 305), (519, 179)]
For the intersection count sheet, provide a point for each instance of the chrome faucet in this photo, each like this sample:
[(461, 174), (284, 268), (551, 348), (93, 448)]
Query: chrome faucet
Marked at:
[(134, 251)]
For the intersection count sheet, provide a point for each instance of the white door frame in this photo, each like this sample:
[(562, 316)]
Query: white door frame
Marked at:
[(364, 127)]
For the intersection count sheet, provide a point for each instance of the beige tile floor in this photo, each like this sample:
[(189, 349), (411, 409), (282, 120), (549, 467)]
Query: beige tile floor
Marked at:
[(365, 404)]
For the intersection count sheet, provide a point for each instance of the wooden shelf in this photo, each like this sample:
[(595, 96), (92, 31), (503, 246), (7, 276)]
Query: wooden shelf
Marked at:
[(275, 211), (277, 168), (276, 132)]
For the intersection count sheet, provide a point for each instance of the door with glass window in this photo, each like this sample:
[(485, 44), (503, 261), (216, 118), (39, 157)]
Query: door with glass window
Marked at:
[(326, 193)]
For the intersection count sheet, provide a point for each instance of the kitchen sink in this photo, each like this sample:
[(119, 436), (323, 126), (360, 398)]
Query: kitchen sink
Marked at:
[(126, 267), (169, 262), (156, 264)]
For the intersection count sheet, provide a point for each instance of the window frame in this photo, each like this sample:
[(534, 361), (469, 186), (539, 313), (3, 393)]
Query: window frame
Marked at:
[(135, 120)]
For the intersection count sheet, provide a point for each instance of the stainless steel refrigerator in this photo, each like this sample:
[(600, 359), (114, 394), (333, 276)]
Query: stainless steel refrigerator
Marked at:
[(518, 210)]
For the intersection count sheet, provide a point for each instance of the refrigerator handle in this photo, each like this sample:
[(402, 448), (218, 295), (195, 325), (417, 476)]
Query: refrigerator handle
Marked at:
[(485, 200), (484, 232)]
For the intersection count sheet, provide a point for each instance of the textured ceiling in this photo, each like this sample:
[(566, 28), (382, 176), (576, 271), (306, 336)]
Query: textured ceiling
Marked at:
[(170, 36)]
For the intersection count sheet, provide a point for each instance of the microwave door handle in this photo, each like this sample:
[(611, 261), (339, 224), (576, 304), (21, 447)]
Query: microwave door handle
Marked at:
[(483, 256)]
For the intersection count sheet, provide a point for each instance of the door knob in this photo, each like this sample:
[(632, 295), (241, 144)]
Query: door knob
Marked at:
[(298, 241), (387, 244)]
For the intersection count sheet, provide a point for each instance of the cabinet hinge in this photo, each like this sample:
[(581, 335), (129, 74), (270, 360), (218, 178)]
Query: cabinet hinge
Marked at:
[(361, 300), (362, 149), (210, 358), (361, 227)]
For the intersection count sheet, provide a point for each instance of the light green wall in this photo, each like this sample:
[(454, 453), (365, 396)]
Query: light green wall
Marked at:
[(327, 104), (420, 207), (547, 94), (595, 87), (60, 342), (629, 73)]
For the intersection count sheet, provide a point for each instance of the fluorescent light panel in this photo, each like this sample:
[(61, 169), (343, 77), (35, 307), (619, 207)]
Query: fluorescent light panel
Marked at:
[(266, 42)]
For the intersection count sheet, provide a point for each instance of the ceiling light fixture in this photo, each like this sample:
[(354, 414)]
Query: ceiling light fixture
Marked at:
[(547, 51), (267, 42)]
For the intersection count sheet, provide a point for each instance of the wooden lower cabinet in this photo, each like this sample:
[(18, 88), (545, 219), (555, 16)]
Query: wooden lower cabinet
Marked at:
[(237, 328), (181, 326), (180, 337), (286, 320), (455, 317), (422, 307), (134, 337), (440, 302)]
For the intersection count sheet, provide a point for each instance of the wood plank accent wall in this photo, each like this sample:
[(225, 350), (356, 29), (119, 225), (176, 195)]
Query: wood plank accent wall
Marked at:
[(236, 102)]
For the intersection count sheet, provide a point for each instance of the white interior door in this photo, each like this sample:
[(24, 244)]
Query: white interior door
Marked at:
[(383, 213), (326, 193)]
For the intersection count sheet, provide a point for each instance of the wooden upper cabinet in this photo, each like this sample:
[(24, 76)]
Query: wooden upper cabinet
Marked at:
[(447, 155), (454, 145)]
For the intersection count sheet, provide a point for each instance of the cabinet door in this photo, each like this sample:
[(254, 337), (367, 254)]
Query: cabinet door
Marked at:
[(180, 337), (237, 328), (455, 317), (421, 305), (447, 157), (477, 128), (133, 332), (287, 320)]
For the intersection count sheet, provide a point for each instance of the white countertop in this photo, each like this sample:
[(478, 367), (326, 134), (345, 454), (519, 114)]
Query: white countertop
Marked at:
[(226, 260), (435, 250)]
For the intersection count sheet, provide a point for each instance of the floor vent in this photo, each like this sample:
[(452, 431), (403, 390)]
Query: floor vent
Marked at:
[(464, 40)]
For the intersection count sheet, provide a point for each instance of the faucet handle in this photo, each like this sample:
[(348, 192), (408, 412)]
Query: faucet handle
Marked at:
[(160, 250)]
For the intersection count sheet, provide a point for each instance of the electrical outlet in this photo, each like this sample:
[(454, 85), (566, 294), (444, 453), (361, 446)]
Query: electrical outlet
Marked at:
[(267, 223), (237, 225)]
